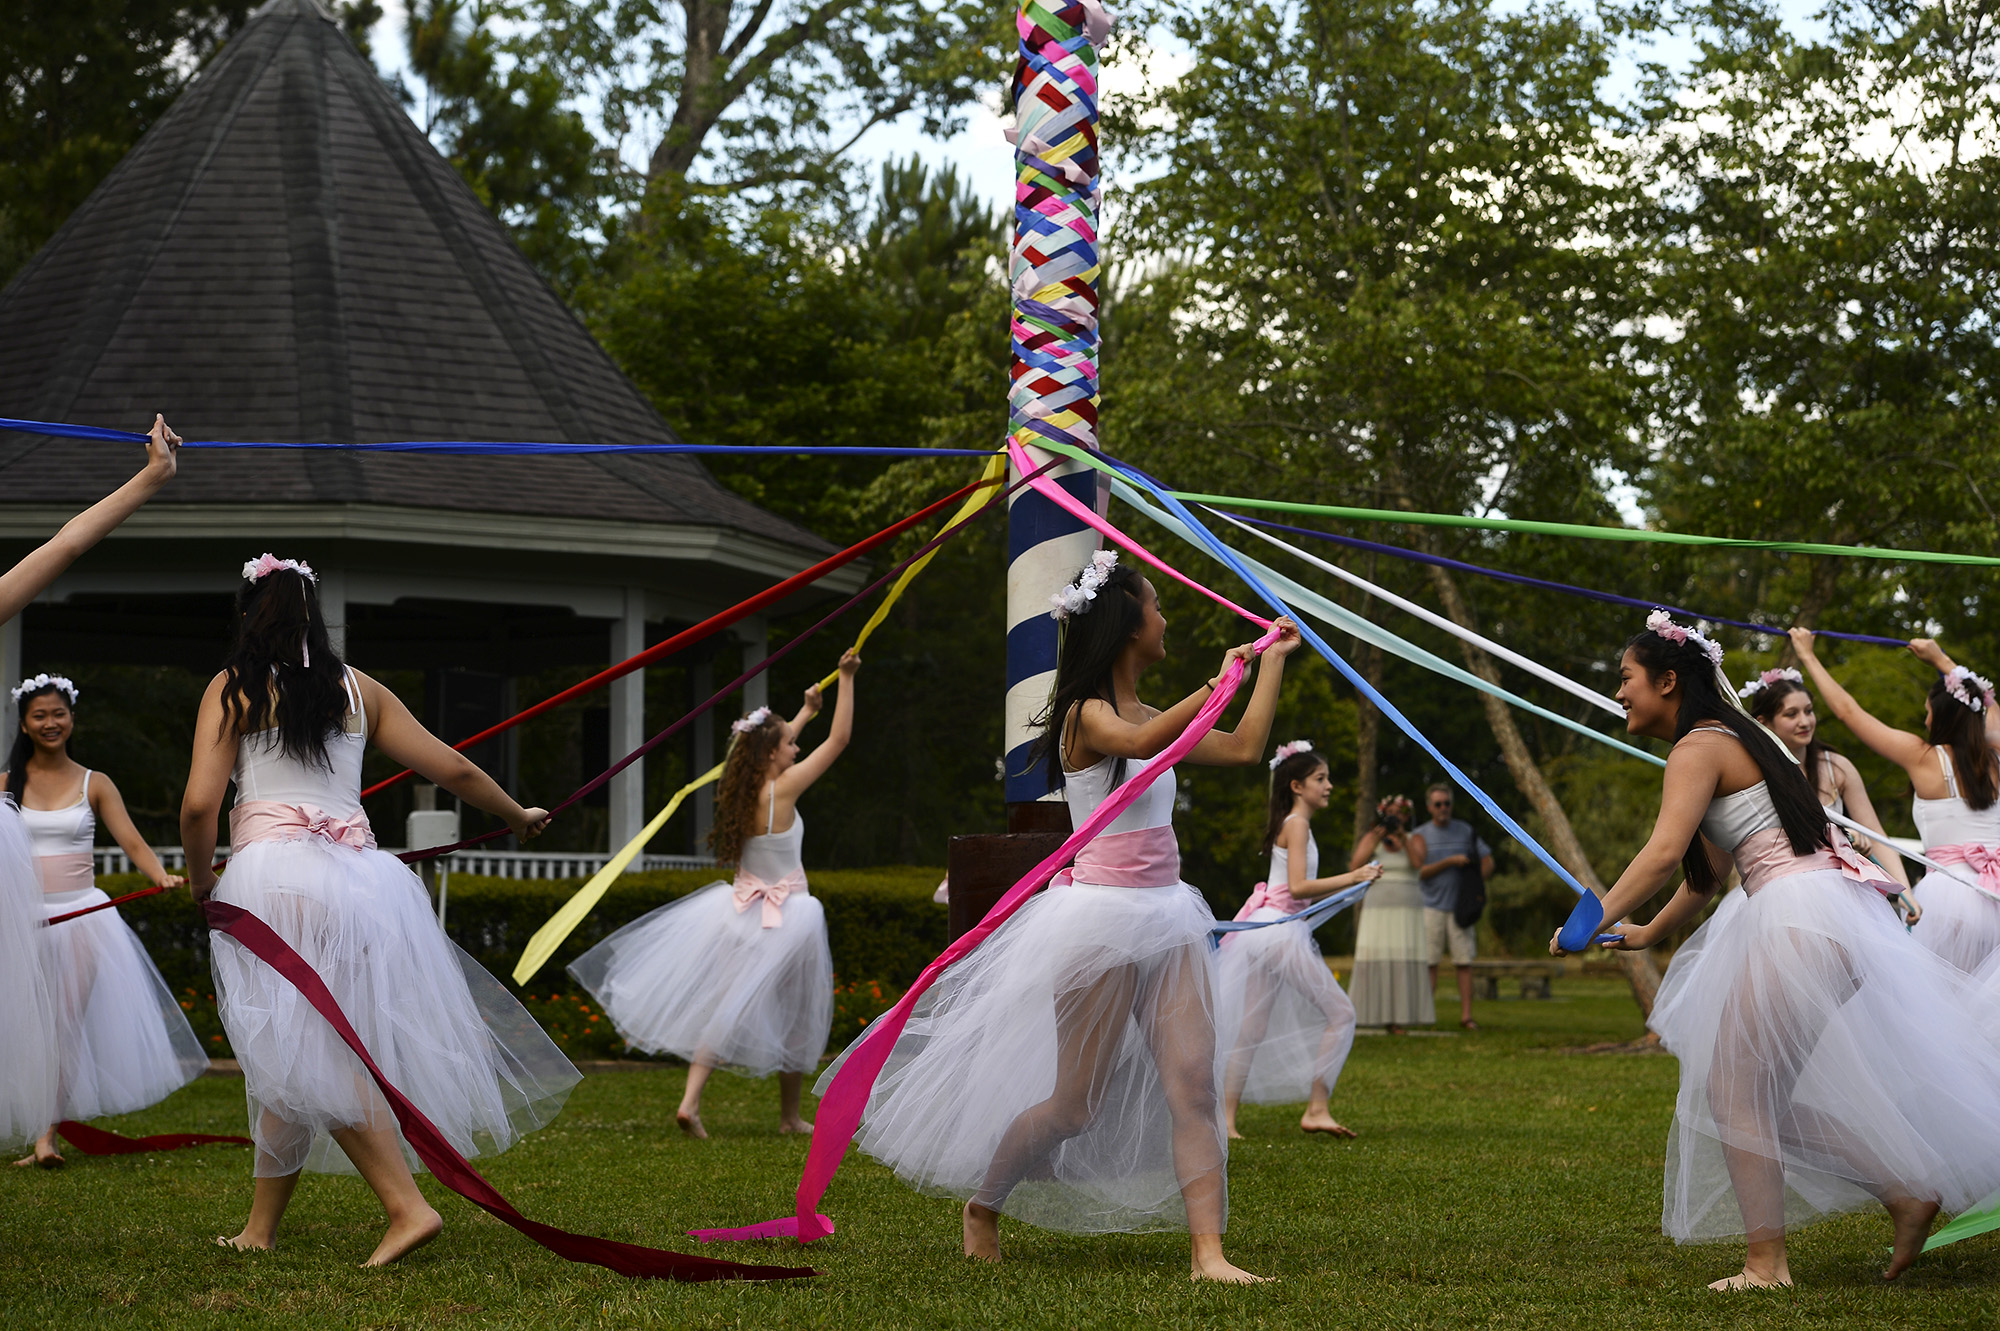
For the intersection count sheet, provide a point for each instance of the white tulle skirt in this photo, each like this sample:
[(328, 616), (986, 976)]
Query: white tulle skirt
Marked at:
[(28, 1069), (442, 1030), (1285, 1020), (1066, 1071), (702, 980), (1960, 923), (122, 1041), (1838, 1059)]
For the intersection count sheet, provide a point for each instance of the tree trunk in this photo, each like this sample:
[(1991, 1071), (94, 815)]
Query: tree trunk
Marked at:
[(1640, 970), (1821, 587), (703, 70)]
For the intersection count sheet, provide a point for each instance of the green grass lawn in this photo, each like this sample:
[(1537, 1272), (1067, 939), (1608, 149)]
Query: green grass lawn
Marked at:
[(1497, 1182)]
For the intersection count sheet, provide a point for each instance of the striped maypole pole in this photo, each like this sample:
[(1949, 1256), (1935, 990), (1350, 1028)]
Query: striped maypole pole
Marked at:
[(1053, 270)]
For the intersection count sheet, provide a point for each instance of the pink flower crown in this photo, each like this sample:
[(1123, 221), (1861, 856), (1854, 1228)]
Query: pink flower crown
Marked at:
[(750, 722), (255, 570), (1767, 679), (1662, 623), (1961, 684), (1287, 750)]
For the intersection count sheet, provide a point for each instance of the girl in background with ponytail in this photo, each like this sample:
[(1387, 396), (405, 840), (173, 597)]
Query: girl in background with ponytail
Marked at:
[(738, 974), (1956, 779), (1829, 1063), (1293, 1023), (122, 1042)]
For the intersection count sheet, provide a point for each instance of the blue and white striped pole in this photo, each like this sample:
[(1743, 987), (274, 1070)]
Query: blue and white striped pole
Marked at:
[(1053, 269)]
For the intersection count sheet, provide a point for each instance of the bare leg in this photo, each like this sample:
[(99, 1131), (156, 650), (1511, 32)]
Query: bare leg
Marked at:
[(1336, 1040), (377, 1154), (1260, 995), (1464, 997), (269, 1197), (1089, 1025), (689, 1114), (789, 1121)]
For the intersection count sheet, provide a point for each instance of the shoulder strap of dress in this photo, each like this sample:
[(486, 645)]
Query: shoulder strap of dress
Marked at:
[(86, 785), (1944, 764), (771, 820)]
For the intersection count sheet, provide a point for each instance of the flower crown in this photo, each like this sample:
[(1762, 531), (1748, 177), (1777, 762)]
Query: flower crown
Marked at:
[(1662, 623), (1075, 599), (254, 570), (1287, 750), (1767, 679), (751, 722), (1396, 804), (1967, 687), (37, 683)]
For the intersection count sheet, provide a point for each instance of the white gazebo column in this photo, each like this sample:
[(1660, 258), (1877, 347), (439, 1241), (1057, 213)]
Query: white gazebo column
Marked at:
[(11, 669), (755, 634), (628, 722), (333, 605)]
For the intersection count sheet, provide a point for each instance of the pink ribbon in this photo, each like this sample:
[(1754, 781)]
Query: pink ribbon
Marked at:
[(840, 1110), (749, 887), (1982, 860), (1766, 856), (1260, 897), (270, 820)]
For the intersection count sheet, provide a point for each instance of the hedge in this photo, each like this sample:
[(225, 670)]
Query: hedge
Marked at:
[(881, 923)]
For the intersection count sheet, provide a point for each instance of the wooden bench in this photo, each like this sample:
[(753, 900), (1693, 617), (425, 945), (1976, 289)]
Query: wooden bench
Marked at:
[(1534, 974)]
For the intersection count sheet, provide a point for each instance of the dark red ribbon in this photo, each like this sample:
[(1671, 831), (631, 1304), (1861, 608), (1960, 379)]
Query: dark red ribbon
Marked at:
[(105, 905), (96, 1141), (444, 1161)]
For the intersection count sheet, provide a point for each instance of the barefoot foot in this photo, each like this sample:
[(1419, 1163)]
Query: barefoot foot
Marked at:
[(1913, 1225), (690, 1122), (1324, 1122), (406, 1235), (982, 1232), (1745, 1280), (1220, 1269), (788, 1127), (1231, 1132), (244, 1243)]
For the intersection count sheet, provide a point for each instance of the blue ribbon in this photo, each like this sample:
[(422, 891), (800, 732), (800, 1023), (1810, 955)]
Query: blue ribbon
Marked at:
[(1311, 916)]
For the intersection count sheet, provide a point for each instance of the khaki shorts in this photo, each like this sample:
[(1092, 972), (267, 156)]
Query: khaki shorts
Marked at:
[(1445, 934)]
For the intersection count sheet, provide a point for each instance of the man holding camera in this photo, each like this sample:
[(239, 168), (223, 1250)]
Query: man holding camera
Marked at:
[(1444, 851)]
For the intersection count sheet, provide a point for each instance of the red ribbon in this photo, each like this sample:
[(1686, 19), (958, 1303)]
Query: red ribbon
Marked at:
[(105, 905), (96, 1141), (443, 1160)]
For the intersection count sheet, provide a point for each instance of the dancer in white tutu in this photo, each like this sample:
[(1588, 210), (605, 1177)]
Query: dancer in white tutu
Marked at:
[(29, 1072), (287, 722), (1066, 1071), (738, 975), (1955, 775), (122, 1041), (1829, 1062), (1292, 1024)]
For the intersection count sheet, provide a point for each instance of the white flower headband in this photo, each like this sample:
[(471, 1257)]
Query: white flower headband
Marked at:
[(1767, 679), (1662, 623), (1287, 750), (1075, 599), (1956, 681), (751, 722), (39, 682), (254, 570)]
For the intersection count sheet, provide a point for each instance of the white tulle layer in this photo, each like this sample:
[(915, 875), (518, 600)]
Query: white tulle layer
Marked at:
[(1111, 986), (442, 1030), (1842, 1059), (28, 1068), (122, 1041), (1284, 1019), (703, 980), (1960, 923)]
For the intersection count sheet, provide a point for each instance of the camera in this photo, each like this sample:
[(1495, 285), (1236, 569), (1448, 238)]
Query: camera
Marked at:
[(1389, 822)]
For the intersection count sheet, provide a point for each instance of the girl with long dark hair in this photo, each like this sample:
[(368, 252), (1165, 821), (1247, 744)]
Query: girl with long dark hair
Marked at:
[(1065, 1072), (287, 721), (1829, 1063), (1955, 776), (1292, 1023), (122, 1041), (30, 1072), (738, 974)]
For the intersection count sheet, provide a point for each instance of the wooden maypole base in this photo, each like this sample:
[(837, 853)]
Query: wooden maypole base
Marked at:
[(984, 865)]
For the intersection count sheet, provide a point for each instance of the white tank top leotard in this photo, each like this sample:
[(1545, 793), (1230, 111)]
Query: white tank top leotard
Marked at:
[(1951, 821), (776, 856), (265, 772), (1278, 886), (63, 840)]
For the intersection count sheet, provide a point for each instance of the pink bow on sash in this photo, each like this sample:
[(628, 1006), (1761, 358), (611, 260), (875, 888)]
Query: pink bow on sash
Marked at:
[(749, 887), (1982, 860), (270, 820), (1766, 856), (1260, 897)]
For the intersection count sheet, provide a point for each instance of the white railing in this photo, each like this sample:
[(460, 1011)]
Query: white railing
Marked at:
[(491, 863)]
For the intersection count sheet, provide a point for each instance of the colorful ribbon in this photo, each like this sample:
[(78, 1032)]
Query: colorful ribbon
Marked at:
[(442, 1159), (104, 905), (97, 1141), (840, 1109), (1312, 916)]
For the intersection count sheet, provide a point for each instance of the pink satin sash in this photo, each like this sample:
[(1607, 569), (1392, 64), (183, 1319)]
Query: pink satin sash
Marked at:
[(1278, 897), (1984, 861), (269, 820), (1149, 857), (749, 887), (1764, 857), (72, 872)]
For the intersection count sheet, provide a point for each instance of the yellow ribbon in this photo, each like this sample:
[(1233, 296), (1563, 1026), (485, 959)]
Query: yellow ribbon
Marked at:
[(561, 924)]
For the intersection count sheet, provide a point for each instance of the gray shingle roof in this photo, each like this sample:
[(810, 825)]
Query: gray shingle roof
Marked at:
[(284, 256)]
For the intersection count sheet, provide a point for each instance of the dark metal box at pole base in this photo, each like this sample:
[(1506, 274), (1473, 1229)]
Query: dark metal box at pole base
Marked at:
[(983, 866)]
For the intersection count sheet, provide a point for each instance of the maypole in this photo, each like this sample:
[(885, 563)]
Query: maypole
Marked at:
[(1053, 270)]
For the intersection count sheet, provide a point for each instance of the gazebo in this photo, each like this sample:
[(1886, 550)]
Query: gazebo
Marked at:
[(285, 257)]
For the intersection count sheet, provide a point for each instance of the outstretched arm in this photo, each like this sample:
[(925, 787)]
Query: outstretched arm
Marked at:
[(403, 738), (1245, 744), (801, 774), (807, 711), (32, 576), (1898, 746), (109, 807), (207, 783)]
